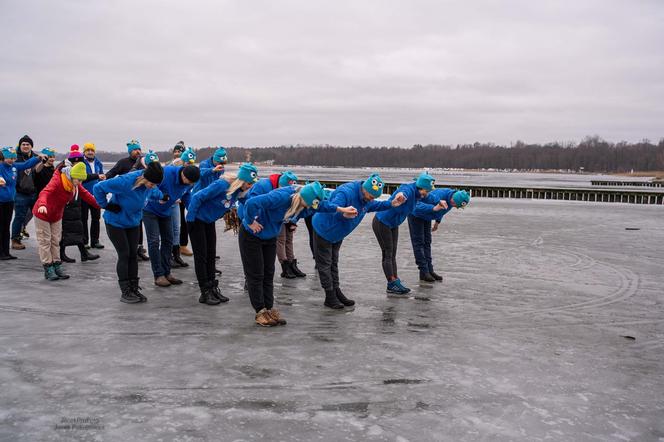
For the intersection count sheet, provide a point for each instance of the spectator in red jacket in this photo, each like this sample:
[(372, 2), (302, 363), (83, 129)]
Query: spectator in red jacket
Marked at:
[(65, 185)]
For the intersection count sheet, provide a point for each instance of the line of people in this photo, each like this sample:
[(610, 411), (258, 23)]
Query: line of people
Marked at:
[(138, 192)]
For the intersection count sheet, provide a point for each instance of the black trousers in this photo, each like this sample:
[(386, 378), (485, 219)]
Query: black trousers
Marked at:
[(388, 239), (184, 238), (258, 256), (204, 244), (6, 212), (310, 228), (327, 262), (125, 242), (95, 214)]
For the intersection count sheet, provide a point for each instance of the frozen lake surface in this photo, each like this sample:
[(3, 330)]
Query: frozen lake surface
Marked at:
[(549, 325)]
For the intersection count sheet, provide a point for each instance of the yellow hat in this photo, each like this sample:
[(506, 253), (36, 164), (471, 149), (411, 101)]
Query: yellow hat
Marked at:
[(90, 146), (78, 171)]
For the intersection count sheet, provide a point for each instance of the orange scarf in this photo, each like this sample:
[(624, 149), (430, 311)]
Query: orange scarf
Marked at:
[(66, 183)]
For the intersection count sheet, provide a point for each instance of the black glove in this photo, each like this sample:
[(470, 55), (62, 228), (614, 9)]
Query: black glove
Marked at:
[(166, 197), (113, 207)]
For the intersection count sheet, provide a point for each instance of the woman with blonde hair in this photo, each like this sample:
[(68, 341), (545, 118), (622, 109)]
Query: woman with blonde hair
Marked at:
[(205, 208), (263, 218)]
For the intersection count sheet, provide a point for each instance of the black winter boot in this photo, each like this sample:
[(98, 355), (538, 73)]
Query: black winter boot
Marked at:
[(426, 277), (128, 296), (177, 258), (342, 298), (136, 289), (216, 292), (436, 276), (64, 257), (286, 271), (85, 255), (331, 300), (296, 271), (57, 266), (207, 295)]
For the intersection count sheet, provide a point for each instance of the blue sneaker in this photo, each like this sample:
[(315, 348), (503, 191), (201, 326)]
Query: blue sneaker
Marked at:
[(396, 288), (402, 287)]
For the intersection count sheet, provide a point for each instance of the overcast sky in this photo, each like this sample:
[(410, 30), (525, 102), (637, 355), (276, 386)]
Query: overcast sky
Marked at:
[(257, 73)]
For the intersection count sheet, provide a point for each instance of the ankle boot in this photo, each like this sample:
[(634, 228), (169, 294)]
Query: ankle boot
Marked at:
[(427, 277), (85, 255), (57, 266), (436, 276), (207, 295), (177, 259), (136, 289), (216, 292), (286, 271), (141, 254), (49, 273), (64, 257), (331, 300), (296, 271), (342, 298), (128, 296)]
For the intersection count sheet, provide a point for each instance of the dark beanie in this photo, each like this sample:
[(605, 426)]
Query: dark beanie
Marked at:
[(25, 139), (191, 173), (154, 172)]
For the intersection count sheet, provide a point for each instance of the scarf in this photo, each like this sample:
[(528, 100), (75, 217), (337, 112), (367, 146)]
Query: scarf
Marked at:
[(65, 177)]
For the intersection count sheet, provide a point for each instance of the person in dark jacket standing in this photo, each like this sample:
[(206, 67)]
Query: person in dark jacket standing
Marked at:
[(126, 165), (25, 192), (95, 170)]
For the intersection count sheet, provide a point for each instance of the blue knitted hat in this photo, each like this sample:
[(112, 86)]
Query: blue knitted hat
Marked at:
[(425, 181), (188, 156), (461, 198), (373, 185), (247, 173), (312, 194), (133, 145), (150, 157), (286, 177), (220, 155), (48, 151), (8, 153)]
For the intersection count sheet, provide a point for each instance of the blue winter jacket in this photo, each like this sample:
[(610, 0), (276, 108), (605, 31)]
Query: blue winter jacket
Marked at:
[(208, 175), (424, 208), (263, 186), (269, 210), (396, 215), (210, 204), (97, 168), (10, 175), (333, 227), (130, 200), (173, 187)]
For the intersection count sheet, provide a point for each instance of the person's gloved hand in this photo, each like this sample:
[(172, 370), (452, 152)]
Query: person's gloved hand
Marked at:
[(113, 207), (165, 198)]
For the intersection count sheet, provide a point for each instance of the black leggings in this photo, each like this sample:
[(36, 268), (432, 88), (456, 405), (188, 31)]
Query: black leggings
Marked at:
[(125, 242), (204, 244), (258, 257), (6, 212), (308, 221), (388, 238), (184, 239), (327, 261)]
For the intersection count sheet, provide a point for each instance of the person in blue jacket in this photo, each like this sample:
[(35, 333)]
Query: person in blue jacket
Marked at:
[(177, 182), (205, 208), (262, 221), (386, 227), (122, 216), (123, 212), (211, 169), (180, 235), (95, 170), (9, 171), (433, 208), (330, 229)]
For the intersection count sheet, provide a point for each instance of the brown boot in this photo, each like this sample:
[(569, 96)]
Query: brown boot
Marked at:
[(161, 281), (16, 245), (276, 316), (185, 251), (264, 320), (173, 280)]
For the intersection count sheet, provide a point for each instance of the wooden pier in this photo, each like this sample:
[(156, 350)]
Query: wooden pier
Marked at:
[(627, 183)]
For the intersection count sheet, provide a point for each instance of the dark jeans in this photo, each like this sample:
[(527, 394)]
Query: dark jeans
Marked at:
[(327, 260), (125, 242), (93, 237), (387, 239), (420, 237), (310, 228), (6, 211), (258, 257), (204, 244), (159, 231), (22, 206), (184, 237)]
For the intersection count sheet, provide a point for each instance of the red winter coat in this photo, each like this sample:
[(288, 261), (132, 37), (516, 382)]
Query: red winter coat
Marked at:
[(55, 198)]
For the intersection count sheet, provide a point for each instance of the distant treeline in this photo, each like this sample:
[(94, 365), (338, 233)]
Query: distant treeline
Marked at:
[(593, 154)]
